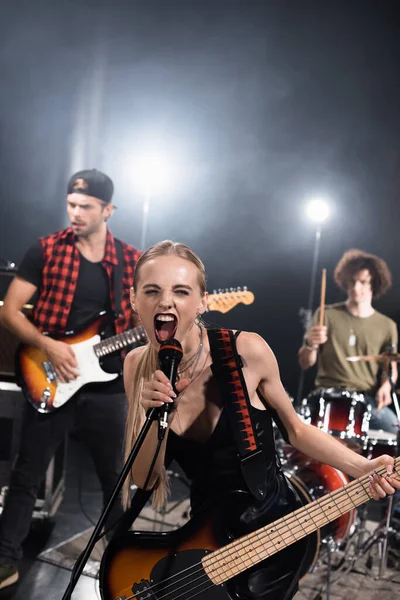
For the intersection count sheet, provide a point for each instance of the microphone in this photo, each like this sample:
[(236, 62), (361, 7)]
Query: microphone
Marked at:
[(169, 356)]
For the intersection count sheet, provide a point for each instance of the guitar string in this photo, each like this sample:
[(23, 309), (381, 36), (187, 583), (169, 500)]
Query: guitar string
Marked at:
[(259, 536), (203, 580), (178, 590), (295, 517), (305, 532), (108, 342), (206, 580)]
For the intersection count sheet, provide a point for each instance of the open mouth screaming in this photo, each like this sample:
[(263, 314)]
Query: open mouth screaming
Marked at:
[(165, 325)]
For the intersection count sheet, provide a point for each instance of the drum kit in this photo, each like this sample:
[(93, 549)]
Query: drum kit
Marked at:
[(345, 415)]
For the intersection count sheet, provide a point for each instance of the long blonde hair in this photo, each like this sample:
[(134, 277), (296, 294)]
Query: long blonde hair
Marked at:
[(148, 363)]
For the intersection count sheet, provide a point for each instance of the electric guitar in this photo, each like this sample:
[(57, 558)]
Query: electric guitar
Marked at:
[(38, 378), (191, 562)]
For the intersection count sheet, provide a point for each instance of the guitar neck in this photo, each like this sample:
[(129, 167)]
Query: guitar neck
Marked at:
[(132, 337), (236, 557)]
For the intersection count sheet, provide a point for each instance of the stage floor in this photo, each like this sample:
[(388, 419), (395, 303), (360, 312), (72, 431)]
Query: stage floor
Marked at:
[(41, 580)]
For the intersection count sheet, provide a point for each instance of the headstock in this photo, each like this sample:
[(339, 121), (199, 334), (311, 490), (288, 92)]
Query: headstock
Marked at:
[(224, 300)]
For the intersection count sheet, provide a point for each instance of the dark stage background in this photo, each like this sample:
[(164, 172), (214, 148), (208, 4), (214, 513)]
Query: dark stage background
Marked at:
[(256, 107)]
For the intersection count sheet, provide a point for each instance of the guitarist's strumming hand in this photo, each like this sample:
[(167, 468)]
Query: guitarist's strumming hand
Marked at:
[(63, 359), (159, 390)]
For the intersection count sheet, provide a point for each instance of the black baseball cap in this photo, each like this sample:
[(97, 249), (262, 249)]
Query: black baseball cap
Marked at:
[(92, 183)]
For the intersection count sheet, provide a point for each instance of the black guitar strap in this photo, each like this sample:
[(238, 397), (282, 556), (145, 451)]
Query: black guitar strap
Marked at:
[(227, 370), (117, 279)]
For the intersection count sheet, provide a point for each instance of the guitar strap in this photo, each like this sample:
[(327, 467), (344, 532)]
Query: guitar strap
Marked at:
[(117, 279), (227, 370)]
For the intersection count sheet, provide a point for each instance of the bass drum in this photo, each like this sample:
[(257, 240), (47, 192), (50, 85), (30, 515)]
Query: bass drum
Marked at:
[(312, 480)]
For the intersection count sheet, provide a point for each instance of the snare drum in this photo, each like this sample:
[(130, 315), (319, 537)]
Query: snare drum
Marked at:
[(341, 413), (380, 442)]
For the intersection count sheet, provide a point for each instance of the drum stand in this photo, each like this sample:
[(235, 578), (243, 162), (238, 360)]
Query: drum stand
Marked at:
[(365, 540), (383, 531)]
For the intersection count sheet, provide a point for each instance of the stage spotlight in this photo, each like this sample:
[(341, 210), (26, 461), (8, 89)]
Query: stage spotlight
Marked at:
[(318, 210), (153, 174)]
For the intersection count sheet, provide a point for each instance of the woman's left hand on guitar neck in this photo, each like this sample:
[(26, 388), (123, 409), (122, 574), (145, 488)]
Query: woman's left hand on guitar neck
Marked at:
[(382, 485)]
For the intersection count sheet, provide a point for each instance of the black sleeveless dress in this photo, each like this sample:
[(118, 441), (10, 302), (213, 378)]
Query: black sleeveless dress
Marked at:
[(214, 469)]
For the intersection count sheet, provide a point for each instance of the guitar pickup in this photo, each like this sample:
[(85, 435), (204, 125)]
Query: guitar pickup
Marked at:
[(49, 370)]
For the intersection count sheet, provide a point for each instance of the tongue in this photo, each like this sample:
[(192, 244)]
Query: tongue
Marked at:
[(165, 329)]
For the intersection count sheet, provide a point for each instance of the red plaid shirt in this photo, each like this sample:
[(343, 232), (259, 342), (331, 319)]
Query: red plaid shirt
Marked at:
[(60, 274)]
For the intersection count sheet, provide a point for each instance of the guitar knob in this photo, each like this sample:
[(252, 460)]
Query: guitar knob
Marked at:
[(214, 292), (44, 398)]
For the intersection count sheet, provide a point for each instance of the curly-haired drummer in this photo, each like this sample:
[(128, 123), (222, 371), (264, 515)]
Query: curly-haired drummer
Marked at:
[(352, 328)]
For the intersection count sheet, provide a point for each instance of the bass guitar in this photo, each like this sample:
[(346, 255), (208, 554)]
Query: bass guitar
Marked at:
[(191, 562), (38, 378)]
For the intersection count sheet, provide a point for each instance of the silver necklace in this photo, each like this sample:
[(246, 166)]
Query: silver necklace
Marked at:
[(194, 358)]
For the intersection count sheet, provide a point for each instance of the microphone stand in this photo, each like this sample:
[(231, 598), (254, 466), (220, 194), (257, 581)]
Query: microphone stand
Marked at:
[(151, 415)]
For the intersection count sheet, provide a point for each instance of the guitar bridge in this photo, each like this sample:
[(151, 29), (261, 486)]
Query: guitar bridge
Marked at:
[(142, 591), (49, 370)]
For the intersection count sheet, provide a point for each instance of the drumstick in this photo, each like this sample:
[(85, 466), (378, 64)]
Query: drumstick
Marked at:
[(322, 304)]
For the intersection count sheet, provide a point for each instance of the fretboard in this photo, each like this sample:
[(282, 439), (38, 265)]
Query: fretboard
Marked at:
[(236, 557), (132, 337)]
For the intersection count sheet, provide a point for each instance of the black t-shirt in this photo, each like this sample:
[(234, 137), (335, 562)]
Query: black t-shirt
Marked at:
[(91, 297)]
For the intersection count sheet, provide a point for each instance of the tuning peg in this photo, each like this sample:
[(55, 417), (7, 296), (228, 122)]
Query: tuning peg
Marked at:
[(245, 288), (214, 292)]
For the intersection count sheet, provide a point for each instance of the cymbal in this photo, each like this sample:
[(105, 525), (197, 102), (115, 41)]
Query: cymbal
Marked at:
[(378, 358)]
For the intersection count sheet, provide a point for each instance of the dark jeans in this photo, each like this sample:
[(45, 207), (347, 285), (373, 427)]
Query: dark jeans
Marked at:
[(384, 419), (99, 421)]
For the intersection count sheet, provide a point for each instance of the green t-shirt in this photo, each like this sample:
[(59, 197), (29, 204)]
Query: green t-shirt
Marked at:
[(351, 336)]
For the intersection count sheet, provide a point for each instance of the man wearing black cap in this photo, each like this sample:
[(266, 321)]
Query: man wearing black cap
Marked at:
[(74, 273)]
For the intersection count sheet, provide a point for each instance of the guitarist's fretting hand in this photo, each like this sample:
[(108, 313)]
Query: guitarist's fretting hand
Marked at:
[(62, 358), (380, 486)]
